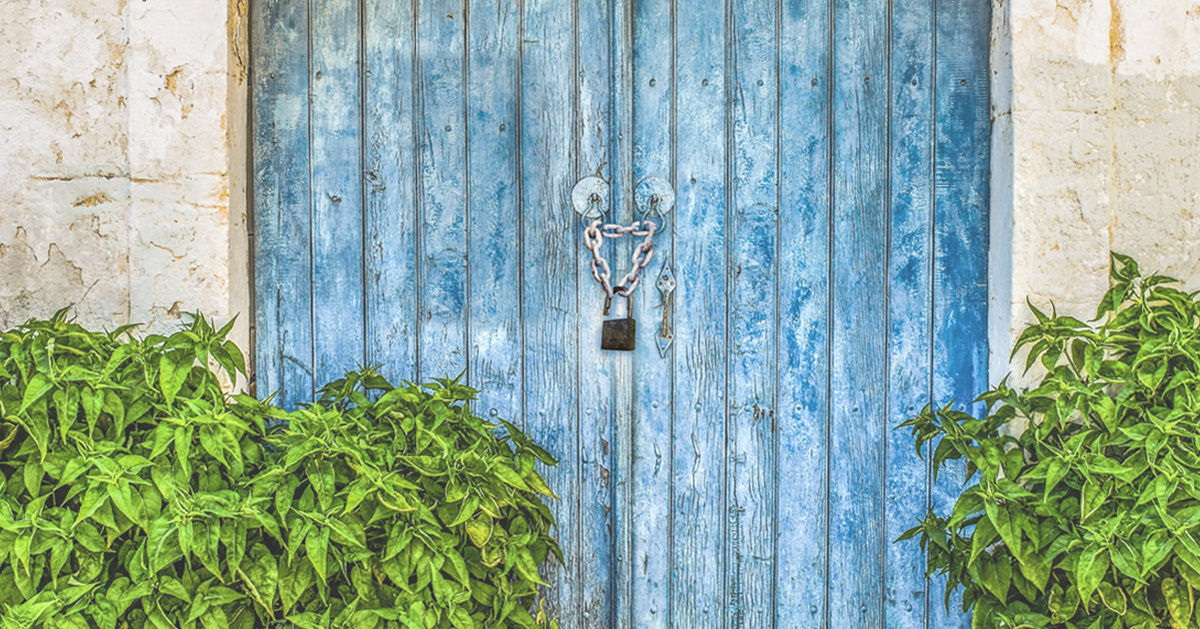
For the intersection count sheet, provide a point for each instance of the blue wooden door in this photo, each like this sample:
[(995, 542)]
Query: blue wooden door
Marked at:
[(413, 163)]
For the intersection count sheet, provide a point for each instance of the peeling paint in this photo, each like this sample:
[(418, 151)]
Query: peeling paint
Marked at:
[(118, 162), (1096, 151)]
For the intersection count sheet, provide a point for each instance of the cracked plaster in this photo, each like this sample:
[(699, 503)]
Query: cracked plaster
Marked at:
[(123, 157), (1096, 141)]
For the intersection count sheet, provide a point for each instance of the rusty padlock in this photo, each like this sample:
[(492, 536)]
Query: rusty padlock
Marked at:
[(619, 334)]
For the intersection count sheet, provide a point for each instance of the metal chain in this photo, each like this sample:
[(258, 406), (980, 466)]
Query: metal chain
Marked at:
[(594, 236)]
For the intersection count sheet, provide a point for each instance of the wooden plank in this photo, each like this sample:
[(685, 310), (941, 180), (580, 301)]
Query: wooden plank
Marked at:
[(622, 189), (858, 361), (597, 368), (909, 298), (549, 253), (652, 150), (337, 199), (753, 247), (701, 227), (961, 233), (802, 414), (442, 250), (282, 214), (495, 271), (390, 263)]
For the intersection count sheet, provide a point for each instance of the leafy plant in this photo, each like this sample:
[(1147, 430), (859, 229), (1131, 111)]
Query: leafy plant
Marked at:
[(1088, 518), (134, 492), (119, 478), (399, 504)]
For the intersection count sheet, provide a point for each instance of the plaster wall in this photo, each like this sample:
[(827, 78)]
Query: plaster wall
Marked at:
[(123, 160), (1096, 147)]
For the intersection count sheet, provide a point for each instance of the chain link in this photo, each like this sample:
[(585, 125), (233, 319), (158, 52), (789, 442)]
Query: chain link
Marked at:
[(593, 238)]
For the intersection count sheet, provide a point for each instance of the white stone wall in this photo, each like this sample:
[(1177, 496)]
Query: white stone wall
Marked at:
[(123, 160), (1096, 146)]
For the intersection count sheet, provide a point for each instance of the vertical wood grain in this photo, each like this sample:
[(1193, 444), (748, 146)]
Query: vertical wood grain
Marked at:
[(701, 228), (856, 542), (621, 190), (960, 235), (282, 214), (597, 373), (909, 294), (337, 199), (829, 242), (753, 247), (652, 125), (442, 192), (549, 251), (391, 209), (802, 415), (494, 190)]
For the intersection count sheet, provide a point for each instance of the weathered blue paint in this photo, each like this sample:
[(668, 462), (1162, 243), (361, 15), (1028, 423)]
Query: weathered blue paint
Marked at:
[(621, 194), (701, 227), (597, 369), (413, 165), (494, 189), (753, 243), (858, 329), (960, 233), (653, 92), (909, 295), (442, 201), (337, 189), (390, 272), (282, 198), (802, 411), (549, 248)]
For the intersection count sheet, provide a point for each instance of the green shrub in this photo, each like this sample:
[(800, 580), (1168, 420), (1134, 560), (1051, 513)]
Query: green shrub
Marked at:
[(122, 474), (400, 504), (1088, 518), (135, 493)]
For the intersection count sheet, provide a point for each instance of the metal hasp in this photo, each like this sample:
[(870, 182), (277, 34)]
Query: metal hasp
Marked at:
[(666, 286), (590, 197), (654, 198)]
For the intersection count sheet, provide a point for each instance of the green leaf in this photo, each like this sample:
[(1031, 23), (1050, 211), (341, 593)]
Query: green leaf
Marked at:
[(1179, 603), (526, 566), (456, 566), (211, 445), (166, 378), (1001, 519), (1090, 570), (260, 577), (33, 475), (509, 476), (295, 579), (307, 620), (1036, 569), (38, 386), (347, 533), (164, 436), (1063, 604), (479, 532), (172, 586), (321, 477), (1113, 598), (460, 618), (316, 545)]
